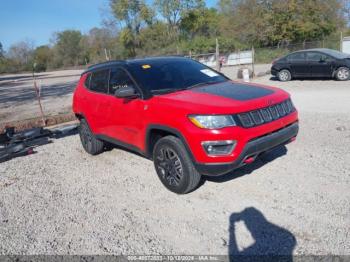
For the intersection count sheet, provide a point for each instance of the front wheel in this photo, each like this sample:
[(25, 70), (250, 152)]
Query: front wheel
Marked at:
[(284, 75), (174, 166), (342, 74)]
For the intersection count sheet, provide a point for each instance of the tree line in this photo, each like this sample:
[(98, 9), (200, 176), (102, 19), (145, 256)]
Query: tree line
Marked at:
[(143, 28)]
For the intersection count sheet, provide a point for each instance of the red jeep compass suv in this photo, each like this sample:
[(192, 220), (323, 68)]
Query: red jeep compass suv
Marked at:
[(189, 119)]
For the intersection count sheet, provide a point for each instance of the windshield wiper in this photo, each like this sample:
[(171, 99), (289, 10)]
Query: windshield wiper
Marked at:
[(171, 90), (204, 83), (167, 90)]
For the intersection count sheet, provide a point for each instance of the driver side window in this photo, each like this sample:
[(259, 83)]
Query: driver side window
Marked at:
[(317, 57), (119, 79)]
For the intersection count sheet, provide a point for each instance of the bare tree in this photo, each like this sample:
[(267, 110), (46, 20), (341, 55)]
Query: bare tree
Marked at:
[(22, 52)]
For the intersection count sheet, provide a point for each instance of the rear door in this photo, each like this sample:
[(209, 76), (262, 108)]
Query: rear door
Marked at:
[(96, 99), (320, 64), (299, 65)]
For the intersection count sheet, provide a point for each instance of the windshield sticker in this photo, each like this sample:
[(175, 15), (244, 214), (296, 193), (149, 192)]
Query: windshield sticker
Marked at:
[(146, 66), (209, 73)]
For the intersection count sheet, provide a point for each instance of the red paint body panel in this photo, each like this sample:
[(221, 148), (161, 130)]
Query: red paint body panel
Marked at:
[(127, 120)]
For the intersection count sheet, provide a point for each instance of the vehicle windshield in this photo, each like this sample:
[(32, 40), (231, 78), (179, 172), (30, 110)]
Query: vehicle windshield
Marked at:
[(172, 74)]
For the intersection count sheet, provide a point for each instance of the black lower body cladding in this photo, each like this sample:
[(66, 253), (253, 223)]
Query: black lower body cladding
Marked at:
[(253, 148)]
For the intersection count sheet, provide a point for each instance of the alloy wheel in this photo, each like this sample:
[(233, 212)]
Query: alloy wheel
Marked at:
[(169, 165), (284, 75), (343, 74)]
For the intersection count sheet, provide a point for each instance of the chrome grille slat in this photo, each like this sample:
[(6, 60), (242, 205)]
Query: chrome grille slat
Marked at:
[(245, 120), (267, 114), (274, 112), (285, 106), (280, 110), (256, 117)]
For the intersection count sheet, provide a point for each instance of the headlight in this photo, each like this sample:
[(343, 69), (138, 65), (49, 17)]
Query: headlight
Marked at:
[(212, 122)]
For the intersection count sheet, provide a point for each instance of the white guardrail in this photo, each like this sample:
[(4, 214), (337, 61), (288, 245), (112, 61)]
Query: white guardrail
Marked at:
[(346, 45), (232, 59)]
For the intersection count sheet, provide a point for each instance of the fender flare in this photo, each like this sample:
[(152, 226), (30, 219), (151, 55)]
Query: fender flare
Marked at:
[(168, 129)]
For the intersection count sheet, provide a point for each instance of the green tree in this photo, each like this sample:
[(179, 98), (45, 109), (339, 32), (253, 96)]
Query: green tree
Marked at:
[(2, 52), (133, 15), (96, 43), (312, 20), (42, 58), (173, 10), (68, 50), (268, 22), (154, 40), (200, 22)]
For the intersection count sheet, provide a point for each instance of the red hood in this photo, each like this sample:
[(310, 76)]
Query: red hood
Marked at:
[(223, 98)]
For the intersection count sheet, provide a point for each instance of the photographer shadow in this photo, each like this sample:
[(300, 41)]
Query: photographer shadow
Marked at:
[(271, 242)]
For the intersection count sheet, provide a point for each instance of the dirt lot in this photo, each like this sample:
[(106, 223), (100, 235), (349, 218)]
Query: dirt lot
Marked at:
[(294, 201), (18, 99)]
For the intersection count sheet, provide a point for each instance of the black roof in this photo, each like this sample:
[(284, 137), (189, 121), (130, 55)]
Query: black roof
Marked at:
[(136, 61), (331, 52)]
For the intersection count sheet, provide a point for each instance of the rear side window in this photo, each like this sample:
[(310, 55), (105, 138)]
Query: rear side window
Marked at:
[(119, 79), (99, 81), (297, 57), (87, 81)]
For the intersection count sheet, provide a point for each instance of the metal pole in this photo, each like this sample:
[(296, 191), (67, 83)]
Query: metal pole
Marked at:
[(217, 55), (341, 41), (253, 62)]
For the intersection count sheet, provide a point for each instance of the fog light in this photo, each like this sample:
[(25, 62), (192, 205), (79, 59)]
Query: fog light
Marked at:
[(219, 148)]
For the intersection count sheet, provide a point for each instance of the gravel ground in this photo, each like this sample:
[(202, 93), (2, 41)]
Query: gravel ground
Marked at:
[(293, 201)]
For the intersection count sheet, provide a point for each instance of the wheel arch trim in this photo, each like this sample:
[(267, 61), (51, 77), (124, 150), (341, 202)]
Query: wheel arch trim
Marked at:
[(168, 129)]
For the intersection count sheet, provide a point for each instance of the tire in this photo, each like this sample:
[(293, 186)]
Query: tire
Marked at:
[(342, 74), (174, 166), (90, 143), (284, 75)]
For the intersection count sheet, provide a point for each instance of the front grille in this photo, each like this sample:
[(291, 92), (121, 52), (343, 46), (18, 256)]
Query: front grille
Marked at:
[(265, 115)]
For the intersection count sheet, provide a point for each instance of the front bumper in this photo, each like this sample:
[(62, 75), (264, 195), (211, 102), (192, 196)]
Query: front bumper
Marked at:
[(274, 71), (252, 149)]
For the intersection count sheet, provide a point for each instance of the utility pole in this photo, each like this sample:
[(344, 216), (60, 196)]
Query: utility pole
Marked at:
[(106, 55), (253, 61), (217, 54)]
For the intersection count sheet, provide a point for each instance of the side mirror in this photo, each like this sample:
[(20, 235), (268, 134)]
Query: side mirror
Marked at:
[(126, 92)]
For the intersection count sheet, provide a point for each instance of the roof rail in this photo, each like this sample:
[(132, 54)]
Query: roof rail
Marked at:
[(106, 63)]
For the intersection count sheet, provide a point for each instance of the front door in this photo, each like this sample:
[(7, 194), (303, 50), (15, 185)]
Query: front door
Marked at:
[(320, 64), (123, 118)]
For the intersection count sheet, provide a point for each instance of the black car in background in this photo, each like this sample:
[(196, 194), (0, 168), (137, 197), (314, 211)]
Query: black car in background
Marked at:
[(312, 63)]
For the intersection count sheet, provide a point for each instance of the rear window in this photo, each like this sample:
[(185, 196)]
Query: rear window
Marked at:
[(99, 81), (296, 57), (87, 81)]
